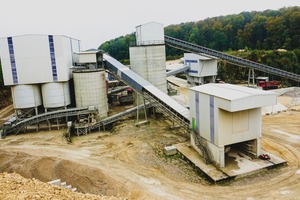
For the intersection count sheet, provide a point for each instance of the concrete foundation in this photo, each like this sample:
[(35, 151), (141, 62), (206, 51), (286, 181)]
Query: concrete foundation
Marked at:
[(237, 163)]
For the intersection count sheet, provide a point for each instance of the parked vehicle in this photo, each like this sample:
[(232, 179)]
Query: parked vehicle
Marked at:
[(264, 157), (266, 85)]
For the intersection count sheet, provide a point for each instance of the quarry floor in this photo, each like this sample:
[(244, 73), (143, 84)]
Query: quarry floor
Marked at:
[(128, 162)]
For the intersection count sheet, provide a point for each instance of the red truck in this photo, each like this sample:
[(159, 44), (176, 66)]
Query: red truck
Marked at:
[(266, 85)]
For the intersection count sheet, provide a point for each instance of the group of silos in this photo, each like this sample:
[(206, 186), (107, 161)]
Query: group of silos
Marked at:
[(50, 95), (39, 68)]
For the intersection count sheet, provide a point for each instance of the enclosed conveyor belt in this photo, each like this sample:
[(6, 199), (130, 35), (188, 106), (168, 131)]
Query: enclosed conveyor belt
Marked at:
[(109, 120), (183, 45), (16, 127), (178, 70), (157, 98), (120, 89)]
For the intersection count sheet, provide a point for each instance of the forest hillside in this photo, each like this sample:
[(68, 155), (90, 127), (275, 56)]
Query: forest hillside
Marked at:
[(271, 37)]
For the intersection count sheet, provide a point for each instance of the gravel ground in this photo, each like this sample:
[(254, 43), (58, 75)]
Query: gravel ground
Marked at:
[(14, 186)]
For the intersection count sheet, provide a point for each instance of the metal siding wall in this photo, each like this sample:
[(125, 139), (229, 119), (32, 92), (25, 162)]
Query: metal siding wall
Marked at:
[(209, 68), (212, 119), (191, 64), (240, 122), (12, 60), (150, 33), (112, 67), (71, 46), (32, 57), (79, 46)]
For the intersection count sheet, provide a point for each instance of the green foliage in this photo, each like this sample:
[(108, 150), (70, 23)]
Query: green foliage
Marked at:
[(258, 34), (267, 30), (119, 47), (286, 60), (173, 57), (255, 30)]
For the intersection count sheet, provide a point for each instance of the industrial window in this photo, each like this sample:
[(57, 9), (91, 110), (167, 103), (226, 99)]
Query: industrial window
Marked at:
[(12, 59), (52, 57), (50, 38), (191, 61)]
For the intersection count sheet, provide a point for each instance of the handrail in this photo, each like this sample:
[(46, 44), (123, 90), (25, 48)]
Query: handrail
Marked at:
[(46, 116)]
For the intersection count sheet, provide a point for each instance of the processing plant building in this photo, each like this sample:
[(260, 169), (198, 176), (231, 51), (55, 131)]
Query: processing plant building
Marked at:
[(39, 69), (225, 116)]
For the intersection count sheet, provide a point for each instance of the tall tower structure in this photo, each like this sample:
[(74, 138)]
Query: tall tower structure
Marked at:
[(148, 56)]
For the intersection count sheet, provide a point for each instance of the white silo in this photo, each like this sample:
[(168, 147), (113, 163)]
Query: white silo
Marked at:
[(150, 63), (148, 57), (26, 96), (90, 90), (56, 95)]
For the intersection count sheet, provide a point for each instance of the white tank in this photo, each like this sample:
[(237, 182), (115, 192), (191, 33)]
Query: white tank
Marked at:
[(26, 96), (56, 95), (90, 90), (150, 63)]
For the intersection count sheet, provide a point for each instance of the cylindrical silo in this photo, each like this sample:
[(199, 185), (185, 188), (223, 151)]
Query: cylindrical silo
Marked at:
[(90, 89), (150, 63), (26, 96), (56, 95)]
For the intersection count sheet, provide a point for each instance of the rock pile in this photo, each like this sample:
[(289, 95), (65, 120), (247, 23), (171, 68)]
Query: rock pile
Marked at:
[(14, 186)]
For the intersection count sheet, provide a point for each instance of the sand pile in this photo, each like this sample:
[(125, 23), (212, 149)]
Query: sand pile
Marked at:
[(85, 178)]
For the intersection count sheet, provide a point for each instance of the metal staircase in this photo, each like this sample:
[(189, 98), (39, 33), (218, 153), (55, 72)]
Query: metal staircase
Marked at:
[(183, 45), (202, 145), (170, 113)]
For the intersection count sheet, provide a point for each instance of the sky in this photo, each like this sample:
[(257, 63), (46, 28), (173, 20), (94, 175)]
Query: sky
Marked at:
[(96, 21)]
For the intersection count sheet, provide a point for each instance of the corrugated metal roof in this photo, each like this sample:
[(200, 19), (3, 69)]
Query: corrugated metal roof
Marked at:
[(24, 35), (201, 56), (152, 22), (230, 92)]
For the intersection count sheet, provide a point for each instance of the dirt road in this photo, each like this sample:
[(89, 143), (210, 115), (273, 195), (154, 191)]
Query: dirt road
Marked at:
[(128, 161)]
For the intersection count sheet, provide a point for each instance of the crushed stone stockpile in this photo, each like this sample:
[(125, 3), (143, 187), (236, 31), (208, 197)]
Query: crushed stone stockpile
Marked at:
[(14, 186)]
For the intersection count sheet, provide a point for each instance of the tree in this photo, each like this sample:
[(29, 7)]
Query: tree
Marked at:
[(268, 30), (276, 33), (197, 36), (295, 30), (119, 47)]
